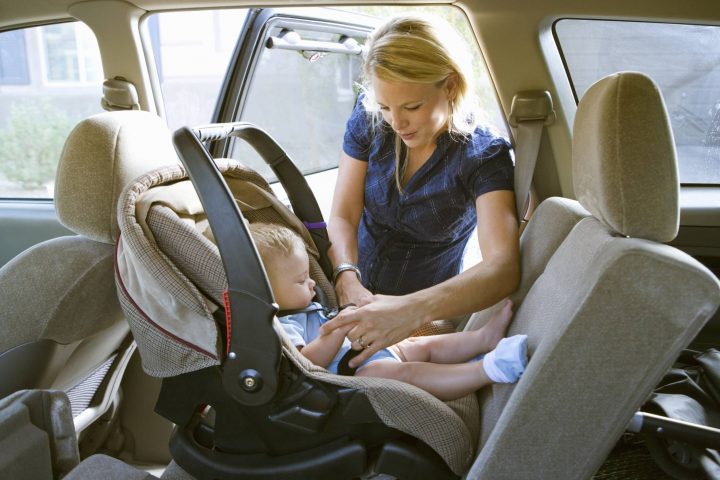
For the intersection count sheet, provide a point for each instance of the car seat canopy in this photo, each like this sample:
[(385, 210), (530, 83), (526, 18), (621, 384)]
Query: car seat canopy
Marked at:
[(172, 321)]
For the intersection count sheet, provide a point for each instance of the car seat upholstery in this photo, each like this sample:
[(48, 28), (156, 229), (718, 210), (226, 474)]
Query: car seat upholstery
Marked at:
[(556, 216), (606, 306), (62, 324)]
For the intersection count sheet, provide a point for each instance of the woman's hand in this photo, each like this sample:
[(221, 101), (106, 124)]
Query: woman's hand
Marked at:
[(323, 349), (384, 321), (350, 290)]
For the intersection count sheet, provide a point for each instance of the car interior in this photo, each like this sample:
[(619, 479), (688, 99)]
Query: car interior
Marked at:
[(139, 328)]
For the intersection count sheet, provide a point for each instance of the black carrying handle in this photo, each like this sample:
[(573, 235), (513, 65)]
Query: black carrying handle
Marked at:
[(301, 197), (250, 370)]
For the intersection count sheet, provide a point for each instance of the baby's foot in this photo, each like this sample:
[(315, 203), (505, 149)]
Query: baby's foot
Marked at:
[(495, 329), (507, 362)]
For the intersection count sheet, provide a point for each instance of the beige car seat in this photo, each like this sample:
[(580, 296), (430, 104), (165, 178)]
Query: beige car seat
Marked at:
[(62, 324), (611, 309)]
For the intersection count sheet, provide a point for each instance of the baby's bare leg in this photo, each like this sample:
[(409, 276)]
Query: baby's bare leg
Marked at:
[(446, 382), (460, 346)]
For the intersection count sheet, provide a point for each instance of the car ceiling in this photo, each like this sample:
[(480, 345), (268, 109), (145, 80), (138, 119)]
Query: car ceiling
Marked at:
[(13, 12)]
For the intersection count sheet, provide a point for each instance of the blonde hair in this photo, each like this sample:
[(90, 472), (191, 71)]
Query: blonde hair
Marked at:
[(420, 49), (272, 240)]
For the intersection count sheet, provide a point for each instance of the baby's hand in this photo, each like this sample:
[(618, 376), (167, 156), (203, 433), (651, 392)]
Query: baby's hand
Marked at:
[(341, 331), (345, 329)]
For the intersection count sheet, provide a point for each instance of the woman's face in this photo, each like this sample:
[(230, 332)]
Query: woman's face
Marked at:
[(417, 112)]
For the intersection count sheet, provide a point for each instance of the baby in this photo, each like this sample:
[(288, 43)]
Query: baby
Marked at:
[(448, 366)]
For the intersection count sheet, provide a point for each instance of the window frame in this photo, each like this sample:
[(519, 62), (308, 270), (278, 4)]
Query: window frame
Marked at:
[(248, 53)]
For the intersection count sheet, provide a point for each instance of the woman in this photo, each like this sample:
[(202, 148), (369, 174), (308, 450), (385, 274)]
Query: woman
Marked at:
[(413, 182)]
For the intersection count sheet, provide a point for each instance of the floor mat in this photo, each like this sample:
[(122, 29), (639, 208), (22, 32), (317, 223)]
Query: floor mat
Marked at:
[(630, 460)]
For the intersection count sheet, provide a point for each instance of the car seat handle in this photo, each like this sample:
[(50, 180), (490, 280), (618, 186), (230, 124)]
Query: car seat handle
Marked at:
[(301, 198), (250, 370)]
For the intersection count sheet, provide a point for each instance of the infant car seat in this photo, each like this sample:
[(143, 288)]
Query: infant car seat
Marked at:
[(246, 403)]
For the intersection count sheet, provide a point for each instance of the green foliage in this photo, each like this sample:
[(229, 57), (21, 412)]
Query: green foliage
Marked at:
[(31, 142)]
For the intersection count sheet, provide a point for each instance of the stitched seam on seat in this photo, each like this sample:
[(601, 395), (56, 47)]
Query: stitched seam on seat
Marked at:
[(618, 161), (113, 202)]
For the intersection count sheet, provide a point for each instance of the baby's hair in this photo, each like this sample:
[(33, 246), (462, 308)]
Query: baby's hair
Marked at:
[(272, 239)]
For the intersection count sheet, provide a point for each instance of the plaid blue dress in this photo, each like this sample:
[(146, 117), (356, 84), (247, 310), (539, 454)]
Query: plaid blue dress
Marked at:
[(414, 240)]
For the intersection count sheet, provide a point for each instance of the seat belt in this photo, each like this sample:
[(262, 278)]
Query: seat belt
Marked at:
[(531, 110)]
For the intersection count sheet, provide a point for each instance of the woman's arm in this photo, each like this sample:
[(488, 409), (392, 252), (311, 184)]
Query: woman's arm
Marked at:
[(323, 349), (347, 206), (388, 319), (491, 280)]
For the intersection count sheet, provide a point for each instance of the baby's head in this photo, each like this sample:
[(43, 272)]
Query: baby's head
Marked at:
[(286, 263)]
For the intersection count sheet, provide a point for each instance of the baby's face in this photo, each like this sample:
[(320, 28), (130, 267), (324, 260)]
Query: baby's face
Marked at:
[(290, 280)]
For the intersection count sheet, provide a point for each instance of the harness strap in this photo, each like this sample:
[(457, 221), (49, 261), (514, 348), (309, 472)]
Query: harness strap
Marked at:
[(313, 307)]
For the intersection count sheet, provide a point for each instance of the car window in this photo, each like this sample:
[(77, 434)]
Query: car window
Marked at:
[(192, 51), (302, 99), (684, 60), (50, 78)]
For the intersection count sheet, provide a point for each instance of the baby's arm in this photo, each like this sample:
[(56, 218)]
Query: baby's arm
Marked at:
[(323, 349)]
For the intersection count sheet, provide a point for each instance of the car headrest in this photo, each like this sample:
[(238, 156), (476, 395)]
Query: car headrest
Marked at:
[(624, 163), (102, 155)]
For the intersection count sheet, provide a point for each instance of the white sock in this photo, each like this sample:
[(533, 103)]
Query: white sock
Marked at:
[(507, 362)]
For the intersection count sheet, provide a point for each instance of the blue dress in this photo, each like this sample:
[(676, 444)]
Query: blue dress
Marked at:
[(416, 239)]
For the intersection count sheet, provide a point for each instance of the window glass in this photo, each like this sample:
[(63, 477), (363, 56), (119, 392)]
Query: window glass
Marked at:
[(192, 51), (71, 54), (302, 99), (684, 60), (50, 78), (13, 59)]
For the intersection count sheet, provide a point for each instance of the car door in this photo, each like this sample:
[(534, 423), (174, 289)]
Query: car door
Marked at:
[(294, 74)]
